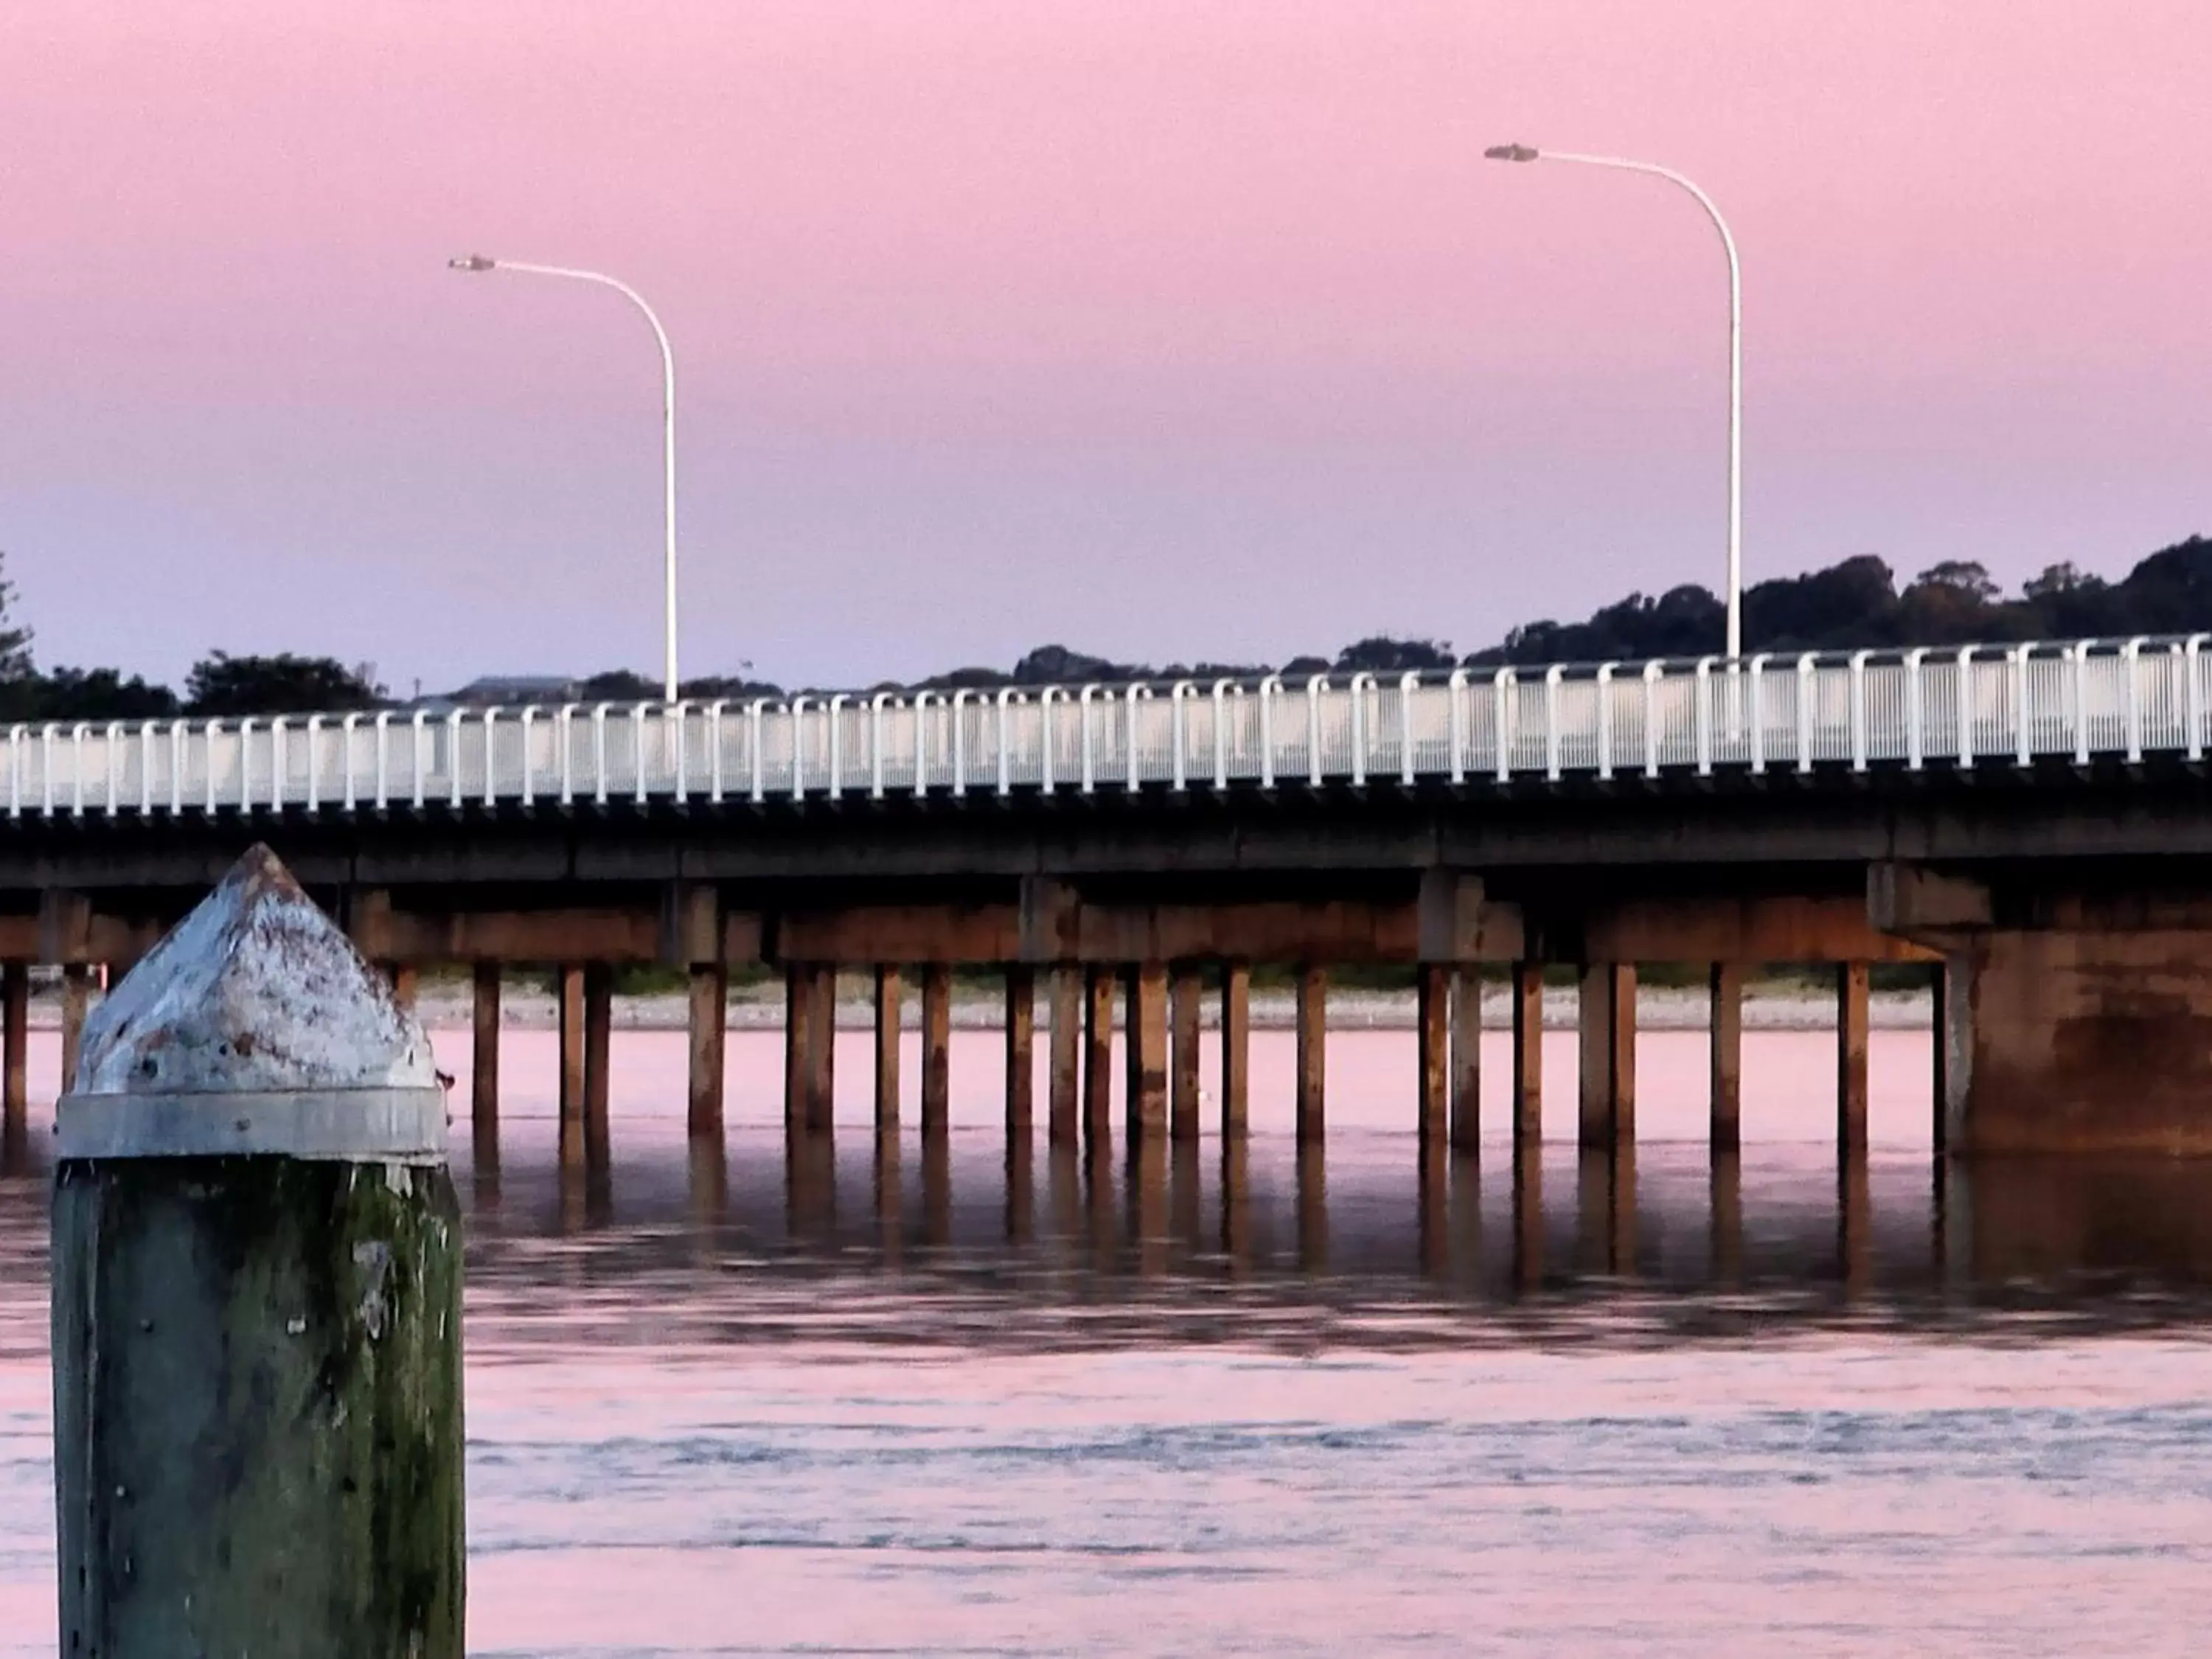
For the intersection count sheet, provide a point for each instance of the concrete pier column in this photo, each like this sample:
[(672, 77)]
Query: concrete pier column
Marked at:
[(1021, 1052), (1726, 1026), (1432, 1042), (1852, 1034), (936, 1051), (483, 1056), (708, 1017), (1097, 1057), (1184, 993), (1145, 1047), (1527, 1054), (1466, 1061), (797, 1012), (406, 983), (822, 1050), (76, 1000), (890, 999), (1313, 1041), (598, 1032), (1608, 1054), (1939, 1046), (1236, 1048), (1064, 1086), (569, 996), (15, 1045)]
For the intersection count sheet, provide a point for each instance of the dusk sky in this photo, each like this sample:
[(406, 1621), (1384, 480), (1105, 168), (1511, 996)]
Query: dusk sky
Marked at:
[(1160, 330)]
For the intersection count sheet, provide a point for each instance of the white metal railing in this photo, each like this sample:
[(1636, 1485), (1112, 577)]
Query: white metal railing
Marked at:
[(1980, 706)]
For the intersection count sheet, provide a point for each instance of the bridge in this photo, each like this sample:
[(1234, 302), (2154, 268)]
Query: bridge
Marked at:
[(2029, 821)]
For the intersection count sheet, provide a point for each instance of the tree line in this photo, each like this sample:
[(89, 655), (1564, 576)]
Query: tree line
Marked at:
[(1856, 604)]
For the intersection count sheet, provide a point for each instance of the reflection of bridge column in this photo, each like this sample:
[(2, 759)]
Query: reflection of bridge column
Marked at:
[(1021, 1190), (1854, 1223), (1098, 1056), (811, 1187), (1184, 995), (1148, 1202), (889, 1197), (889, 998), (1725, 1243), (1432, 1044), (1313, 1045), (1236, 1048), (1466, 1061), (1607, 1018), (1528, 1216), (1066, 1063), (1313, 1210), (936, 1188), (1021, 1052), (1727, 1032), (1433, 1221), (1185, 1198), (1236, 1203)]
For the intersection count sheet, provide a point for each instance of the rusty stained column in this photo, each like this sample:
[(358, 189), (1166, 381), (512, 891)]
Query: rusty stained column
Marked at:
[(1185, 992), (1432, 1023), (1313, 1041), (1938, 1033), (76, 1000), (568, 994), (1608, 1021), (1097, 1057), (822, 1050), (1527, 1055), (798, 1012), (599, 1031), (483, 1058), (890, 1002), (1021, 1052), (407, 984), (1065, 1083), (1851, 1022), (15, 1047), (936, 1050), (1236, 1049), (1466, 1061), (1727, 1027), (1145, 1047), (709, 1018)]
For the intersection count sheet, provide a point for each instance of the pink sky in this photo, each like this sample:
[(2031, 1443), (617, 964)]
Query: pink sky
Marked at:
[(1163, 330)]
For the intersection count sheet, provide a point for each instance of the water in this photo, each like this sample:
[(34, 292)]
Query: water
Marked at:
[(854, 1404)]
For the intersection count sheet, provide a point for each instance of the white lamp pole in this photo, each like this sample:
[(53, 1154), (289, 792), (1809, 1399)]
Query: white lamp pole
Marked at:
[(1524, 153), (477, 262)]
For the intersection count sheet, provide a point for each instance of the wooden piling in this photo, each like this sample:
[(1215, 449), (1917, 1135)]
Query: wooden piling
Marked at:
[(1066, 1082), (77, 1002), (1021, 1052), (1236, 1048), (1144, 1048), (599, 1034), (1527, 1054), (1939, 1027), (1727, 1030), (1852, 1035), (890, 999), (1313, 1043), (257, 1304), (936, 1050), (406, 983), (568, 994), (1466, 1061), (822, 1049), (1097, 1057), (1432, 1042), (1608, 1021), (15, 1045), (708, 1013), (1185, 992), (484, 1054)]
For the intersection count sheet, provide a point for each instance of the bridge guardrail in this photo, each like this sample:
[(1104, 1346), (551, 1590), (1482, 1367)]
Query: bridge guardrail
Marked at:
[(1972, 706)]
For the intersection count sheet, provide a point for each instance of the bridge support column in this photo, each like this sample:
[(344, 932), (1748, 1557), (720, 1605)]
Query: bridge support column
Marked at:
[(1432, 1044), (15, 1046), (1608, 1054), (936, 1051), (568, 995), (1021, 1052), (1313, 1041), (1727, 1024), (889, 1002), (1466, 1061), (1528, 1057), (407, 984), (484, 1057), (1145, 1047), (1184, 993), (708, 1014), (1097, 1057), (798, 1014), (1852, 1032), (1066, 1067), (599, 1034), (76, 1000), (822, 1049), (1236, 1049)]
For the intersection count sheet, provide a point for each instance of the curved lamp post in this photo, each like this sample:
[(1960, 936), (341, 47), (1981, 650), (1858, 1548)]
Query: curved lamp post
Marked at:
[(477, 262), (1525, 153)]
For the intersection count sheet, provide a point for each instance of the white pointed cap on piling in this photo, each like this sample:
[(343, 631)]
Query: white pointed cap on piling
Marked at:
[(258, 997)]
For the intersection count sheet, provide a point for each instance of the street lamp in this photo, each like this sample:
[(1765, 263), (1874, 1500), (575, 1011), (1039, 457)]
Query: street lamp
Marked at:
[(477, 262), (1525, 153)]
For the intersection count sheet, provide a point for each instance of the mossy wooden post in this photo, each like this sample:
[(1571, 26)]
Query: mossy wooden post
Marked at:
[(256, 1303)]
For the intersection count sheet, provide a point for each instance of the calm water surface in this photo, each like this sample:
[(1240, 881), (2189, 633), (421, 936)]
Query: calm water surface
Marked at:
[(869, 1401)]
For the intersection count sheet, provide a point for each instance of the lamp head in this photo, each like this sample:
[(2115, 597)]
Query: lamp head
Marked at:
[(1510, 153), (471, 262)]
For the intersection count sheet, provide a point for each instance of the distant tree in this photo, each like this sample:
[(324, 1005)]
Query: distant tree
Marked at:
[(15, 638), (99, 694), (1055, 665), (617, 685), (1965, 577), (727, 688), (1379, 653), (220, 683)]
